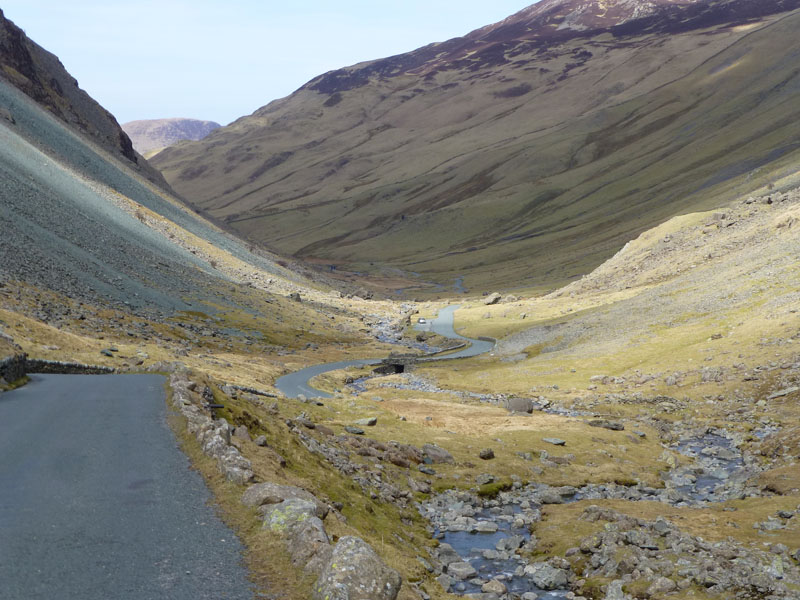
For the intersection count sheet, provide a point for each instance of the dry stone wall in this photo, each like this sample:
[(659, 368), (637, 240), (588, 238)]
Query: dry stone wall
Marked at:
[(12, 368)]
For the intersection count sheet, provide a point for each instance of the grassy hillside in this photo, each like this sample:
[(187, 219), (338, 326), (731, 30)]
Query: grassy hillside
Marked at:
[(482, 167)]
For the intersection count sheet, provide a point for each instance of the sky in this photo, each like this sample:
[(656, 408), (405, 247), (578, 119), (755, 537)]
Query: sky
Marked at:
[(222, 59)]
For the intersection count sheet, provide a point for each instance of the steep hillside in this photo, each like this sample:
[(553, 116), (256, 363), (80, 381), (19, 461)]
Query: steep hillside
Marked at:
[(572, 125), (150, 136), (42, 77)]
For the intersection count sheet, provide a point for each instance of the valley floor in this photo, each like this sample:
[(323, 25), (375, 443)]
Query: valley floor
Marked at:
[(632, 435)]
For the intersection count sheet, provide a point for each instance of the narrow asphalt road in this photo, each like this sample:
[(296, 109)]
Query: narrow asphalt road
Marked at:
[(295, 384), (443, 325), (97, 501)]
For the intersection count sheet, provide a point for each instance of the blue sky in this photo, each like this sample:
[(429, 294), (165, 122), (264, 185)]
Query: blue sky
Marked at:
[(219, 60)]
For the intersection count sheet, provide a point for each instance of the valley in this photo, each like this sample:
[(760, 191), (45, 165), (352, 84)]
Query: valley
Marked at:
[(427, 331), (528, 137)]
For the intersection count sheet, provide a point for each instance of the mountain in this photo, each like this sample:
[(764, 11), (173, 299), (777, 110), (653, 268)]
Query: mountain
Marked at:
[(524, 153), (650, 404), (42, 77), (155, 134), (89, 227)]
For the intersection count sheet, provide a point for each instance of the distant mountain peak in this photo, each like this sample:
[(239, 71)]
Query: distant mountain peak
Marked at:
[(156, 134), (582, 15)]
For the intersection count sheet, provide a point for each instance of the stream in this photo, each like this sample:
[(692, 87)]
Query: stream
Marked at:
[(483, 536)]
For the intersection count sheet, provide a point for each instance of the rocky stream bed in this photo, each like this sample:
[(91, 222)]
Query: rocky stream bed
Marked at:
[(486, 546)]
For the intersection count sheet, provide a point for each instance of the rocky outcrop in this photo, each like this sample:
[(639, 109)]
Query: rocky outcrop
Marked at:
[(726, 569), (355, 572), (336, 450), (41, 76)]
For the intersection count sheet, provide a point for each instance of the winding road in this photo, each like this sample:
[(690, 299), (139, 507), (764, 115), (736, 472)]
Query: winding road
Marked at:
[(296, 384), (97, 500)]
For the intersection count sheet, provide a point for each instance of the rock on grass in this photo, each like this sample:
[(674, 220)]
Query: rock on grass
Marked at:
[(493, 298), (273, 493), (355, 572), (554, 441), (486, 454), (546, 576), (437, 455)]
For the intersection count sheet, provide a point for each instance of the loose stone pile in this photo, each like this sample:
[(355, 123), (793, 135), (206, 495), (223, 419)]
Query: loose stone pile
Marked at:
[(336, 449)]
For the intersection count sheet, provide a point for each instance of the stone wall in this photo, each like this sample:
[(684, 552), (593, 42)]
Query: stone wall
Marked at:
[(13, 368), (18, 366), (37, 365)]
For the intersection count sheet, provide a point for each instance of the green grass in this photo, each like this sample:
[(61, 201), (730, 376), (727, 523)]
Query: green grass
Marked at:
[(15, 384), (492, 490)]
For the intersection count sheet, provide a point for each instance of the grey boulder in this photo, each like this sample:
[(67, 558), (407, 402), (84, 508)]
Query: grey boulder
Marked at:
[(437, 455), (273, 493), (520, 405), (492, 299), (555, 441), (356, 572), (446, 554), (546, 576), (461, 570), (296, 521)]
